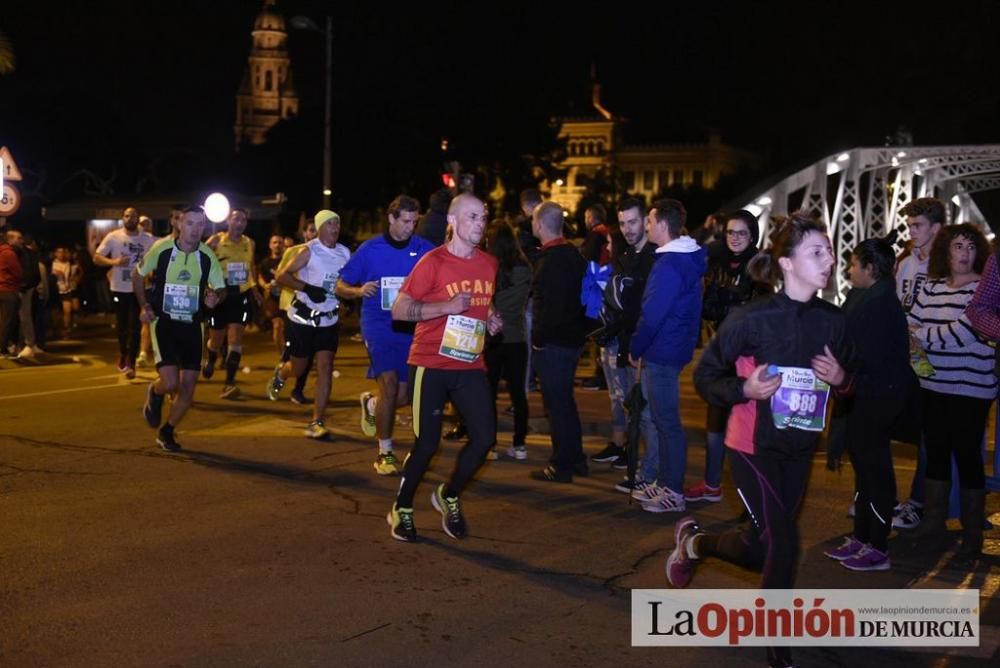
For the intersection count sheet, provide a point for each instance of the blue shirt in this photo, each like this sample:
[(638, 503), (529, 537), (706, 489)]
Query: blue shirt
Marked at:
[(378, 260)]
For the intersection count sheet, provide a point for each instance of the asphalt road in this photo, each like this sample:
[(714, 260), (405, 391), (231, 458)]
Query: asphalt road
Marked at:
[(256, 546)]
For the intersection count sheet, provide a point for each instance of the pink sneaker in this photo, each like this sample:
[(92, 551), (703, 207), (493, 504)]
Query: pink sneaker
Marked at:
[(680, 566), (703, 492)]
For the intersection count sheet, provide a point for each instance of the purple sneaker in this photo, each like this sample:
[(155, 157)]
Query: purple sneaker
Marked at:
[(680, 566), (850, 547), (867, 559)]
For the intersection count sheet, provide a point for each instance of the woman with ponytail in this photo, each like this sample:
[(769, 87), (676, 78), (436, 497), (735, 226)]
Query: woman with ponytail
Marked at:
[(775, 361)]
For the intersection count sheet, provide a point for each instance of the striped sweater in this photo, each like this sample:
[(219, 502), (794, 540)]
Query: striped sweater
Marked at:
[(963, 361)]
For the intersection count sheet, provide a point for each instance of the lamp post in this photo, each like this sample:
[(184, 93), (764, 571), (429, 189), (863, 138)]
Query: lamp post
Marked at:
[(306, 23)]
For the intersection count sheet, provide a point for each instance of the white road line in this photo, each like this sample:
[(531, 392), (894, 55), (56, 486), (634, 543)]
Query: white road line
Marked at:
[(66, 391)]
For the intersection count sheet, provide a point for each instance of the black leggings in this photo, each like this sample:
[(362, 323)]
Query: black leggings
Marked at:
[(429, 389), (127, 312), (771, 488), (874, 477), (510, 361), (954, 425)]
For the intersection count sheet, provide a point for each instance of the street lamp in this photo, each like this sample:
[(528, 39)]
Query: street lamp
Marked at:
[(306, 23)]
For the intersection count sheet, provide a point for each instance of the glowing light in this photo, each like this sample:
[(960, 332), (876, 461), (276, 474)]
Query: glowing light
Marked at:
[(217, 207), (956, 200), (901, 154), (833, 168), (559, 182), (327, 192), (843, 157), (754, 209), (764, 201), (922, 161)]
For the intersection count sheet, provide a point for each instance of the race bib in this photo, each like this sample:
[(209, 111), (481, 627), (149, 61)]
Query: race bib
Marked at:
[(236, 273), (463, 338), (800, 402), (180, 302), (390, 288)]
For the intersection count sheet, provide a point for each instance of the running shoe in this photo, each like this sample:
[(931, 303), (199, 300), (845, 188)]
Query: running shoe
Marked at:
[(457, 433), (867, 559), (153, 409), (208, 369), (620, 464), (122, 363), (650, 492), (367, 417), (849, 548), (492, 454), (385, 464), (608, 454), (26, 353), (165, 439), (680, 564), (230, 392), (518, 452), (142, 361), (907, 515), (452, 520), (668, 502), (401, 522), (296, 397), (275, 384), (703, 492), (317, 430), (625, 488)]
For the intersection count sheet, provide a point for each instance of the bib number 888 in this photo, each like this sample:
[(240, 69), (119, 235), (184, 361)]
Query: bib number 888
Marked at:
[(802, 403)]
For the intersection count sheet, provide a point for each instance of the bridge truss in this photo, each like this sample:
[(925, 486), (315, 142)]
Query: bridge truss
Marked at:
[(859, 193)]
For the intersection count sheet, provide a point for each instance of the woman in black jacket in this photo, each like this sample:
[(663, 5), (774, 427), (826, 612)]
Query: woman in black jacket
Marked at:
[(883, 378), (727, 285)]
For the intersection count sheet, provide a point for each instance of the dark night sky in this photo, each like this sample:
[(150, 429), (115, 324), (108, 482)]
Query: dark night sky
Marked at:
[(115, 87)]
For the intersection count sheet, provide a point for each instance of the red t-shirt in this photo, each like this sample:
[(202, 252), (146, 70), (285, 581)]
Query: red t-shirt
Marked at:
[(438, 277)]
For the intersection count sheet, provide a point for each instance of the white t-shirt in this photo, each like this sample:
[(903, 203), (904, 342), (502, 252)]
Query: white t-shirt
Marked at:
[(911, 274), (323, 270), (120, 243)]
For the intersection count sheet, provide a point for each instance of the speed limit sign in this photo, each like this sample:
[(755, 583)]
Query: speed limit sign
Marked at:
[(10, 201)]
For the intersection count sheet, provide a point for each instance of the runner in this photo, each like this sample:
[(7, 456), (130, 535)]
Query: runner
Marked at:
[(235, 252), (122, 250), (314, 324), (775, 361), (267, 282), (186, 278), (374, 274), (448, 294)]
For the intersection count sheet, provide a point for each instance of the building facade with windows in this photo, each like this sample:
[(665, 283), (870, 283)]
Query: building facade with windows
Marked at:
[(595, 150)]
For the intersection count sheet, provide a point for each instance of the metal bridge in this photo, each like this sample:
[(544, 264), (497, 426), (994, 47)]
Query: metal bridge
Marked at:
[(859, 193)]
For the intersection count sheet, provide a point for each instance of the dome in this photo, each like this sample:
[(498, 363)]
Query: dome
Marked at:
[(269, 19)]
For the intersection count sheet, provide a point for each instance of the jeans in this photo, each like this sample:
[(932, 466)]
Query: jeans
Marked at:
[(663, 387), (556, 366), (620, 383)]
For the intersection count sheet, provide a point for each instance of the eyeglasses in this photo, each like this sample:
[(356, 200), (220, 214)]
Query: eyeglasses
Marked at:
[(740, 234)]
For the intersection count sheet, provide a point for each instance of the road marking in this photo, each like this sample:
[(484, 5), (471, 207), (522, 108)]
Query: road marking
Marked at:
[(65, 391)]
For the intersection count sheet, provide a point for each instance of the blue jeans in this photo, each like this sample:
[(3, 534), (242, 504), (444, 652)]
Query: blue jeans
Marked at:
[(663, 389), (556, 366), (620, 382)]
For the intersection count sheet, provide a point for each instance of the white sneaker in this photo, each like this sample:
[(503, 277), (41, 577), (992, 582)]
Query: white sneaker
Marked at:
[(669, 502), (649, 493), (517, 452), (492, 454), (37, 350), (26, 354)]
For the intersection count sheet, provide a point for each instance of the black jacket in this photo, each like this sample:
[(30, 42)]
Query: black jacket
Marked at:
[(772, 330), (557, 314)]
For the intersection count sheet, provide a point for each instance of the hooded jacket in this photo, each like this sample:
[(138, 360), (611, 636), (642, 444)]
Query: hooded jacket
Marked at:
[(670, 319)]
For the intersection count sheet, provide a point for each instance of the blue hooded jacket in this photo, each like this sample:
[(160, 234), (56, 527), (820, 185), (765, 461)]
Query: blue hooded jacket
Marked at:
[(670, 319)]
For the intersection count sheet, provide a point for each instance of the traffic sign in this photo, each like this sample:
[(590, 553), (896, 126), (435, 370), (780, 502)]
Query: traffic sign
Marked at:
[(10, 170), (10, 201)]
